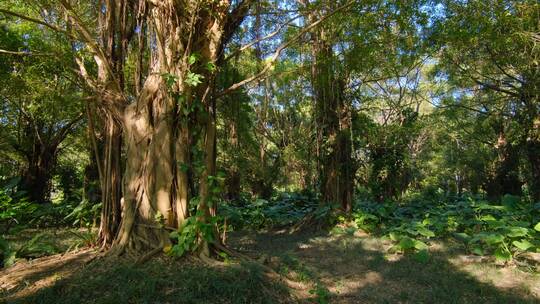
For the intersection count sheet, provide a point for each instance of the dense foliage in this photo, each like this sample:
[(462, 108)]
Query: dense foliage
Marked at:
[(413, 120)]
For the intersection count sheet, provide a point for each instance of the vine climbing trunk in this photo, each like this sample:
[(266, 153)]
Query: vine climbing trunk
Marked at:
[(333, 119), (175, 100)]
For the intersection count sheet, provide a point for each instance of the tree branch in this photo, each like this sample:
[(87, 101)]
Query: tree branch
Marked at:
[(280, 49), (52, 27), (23, 53), (274, 33)]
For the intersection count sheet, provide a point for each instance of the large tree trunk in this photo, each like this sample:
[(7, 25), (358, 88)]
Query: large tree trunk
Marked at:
[(156, 188), (40, 150), (333, 126), (185, 41), (150, 183)]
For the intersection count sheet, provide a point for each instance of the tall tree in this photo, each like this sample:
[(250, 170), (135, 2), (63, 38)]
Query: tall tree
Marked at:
[(333, 113), (40, 107), (488, 48)]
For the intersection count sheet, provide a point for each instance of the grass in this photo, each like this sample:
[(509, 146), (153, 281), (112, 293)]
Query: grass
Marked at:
[(358, 269), (161, 281), (329, 268)]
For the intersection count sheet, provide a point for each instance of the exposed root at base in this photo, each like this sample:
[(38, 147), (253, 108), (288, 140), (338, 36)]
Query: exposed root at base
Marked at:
[(149, 255)]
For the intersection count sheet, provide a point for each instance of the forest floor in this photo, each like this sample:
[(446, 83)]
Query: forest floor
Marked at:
[(320, 267)]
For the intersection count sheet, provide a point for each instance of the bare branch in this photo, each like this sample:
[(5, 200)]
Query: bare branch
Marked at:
[(24, 53), (280, 49), (250, 44)]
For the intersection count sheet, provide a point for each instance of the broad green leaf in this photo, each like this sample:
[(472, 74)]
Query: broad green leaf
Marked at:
[(420, 245), (478, 250), (517, 232), (537, 227), (173, 234), (422, 256), (523, 244), (503, 255), (394, 236), (487, 218), (407, 243), (462, 236), (494, 238), (426, 232)]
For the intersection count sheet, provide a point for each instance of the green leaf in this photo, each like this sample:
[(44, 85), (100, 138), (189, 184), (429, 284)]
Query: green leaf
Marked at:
[(462, 237), (193, 58), (478, 250), (422, 256), (487, 218), (180, 99), (170, 79), (173, 234), (193, 79), (523, 245), (503, 255), (211, 67), (407, 243), (537, 227), (426, 232), (420, 245), (517, 232), (493, 239), (510, 200), (394, 236)]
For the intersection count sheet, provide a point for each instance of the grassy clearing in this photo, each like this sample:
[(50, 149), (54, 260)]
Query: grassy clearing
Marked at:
[(348, 268), (160, 281), (335, 267)]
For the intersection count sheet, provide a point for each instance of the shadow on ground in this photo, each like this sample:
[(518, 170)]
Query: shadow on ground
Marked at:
[(352, 269), (329, 268), (158, 281)]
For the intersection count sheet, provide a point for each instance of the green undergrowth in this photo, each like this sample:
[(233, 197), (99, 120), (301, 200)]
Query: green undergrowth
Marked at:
[(281, 210), (36, 243), (162, 281), (502, 230)]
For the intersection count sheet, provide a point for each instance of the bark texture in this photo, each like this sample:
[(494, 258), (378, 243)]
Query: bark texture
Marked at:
[(162, 127)]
